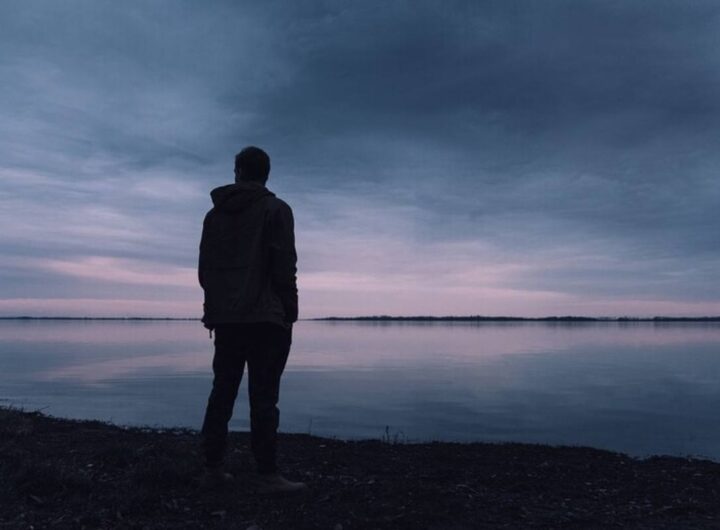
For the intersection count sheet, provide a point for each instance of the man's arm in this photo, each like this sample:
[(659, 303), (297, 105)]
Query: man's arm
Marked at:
[(201, 254), (283, 260)]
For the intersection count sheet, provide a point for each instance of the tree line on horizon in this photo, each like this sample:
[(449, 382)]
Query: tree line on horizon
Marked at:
[(417, 318)]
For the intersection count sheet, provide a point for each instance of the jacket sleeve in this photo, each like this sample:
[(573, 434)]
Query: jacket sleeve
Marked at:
[(283, 260), (202, 267), (202, 258)]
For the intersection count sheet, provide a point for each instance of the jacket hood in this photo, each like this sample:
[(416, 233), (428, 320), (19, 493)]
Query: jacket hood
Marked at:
[(239, 196)]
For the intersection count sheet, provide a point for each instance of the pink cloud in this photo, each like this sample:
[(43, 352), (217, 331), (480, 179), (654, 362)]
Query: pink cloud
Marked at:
[(120, 270), (80, 307)]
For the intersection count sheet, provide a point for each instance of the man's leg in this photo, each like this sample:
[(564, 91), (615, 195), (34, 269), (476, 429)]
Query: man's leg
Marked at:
[(228, 365), (266, 362)]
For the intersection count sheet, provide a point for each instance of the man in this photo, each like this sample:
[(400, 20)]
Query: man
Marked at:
[(247, 269)]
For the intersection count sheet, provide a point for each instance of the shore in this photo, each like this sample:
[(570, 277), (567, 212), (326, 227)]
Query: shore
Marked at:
[(59, 473)]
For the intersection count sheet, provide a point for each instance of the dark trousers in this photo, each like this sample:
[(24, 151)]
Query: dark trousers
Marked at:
[(264, 347)]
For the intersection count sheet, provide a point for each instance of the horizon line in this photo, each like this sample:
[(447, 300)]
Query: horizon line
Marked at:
[(575, 318)]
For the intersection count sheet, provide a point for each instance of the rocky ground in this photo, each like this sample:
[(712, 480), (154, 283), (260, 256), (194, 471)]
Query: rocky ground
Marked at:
[(57, 473)]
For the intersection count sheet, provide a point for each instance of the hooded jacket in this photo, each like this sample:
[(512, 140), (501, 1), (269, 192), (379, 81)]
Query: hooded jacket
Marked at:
[(247, 265)]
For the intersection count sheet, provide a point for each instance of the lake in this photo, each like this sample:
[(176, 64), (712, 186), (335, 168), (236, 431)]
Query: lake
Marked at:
[(641, 388)]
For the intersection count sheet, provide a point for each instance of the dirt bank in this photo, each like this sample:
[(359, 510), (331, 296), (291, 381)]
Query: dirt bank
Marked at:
[(59, 473)]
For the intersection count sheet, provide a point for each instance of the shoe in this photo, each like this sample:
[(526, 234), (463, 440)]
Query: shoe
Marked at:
[(276, 484), (214, 477)]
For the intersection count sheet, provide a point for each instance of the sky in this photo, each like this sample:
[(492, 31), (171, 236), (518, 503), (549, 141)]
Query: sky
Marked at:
[(441, 158)]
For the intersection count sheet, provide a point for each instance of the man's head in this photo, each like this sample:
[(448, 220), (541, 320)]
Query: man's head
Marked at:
[(253, 164)]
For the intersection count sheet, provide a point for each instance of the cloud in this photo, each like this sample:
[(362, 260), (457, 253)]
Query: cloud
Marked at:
[(98, 307), (122, 271), (562, 149)]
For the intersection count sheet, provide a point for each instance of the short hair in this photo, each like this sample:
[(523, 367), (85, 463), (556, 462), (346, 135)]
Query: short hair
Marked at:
[(254, 164)]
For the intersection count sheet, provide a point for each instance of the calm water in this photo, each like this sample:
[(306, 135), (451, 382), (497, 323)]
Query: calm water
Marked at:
[(639, 388)]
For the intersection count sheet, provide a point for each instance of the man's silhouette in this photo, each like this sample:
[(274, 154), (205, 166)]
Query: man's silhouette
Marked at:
[(247, 270)]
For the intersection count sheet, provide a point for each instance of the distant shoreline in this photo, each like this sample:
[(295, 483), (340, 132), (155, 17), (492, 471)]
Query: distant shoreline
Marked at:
[(97, 318), (387, 318), (479, 318)]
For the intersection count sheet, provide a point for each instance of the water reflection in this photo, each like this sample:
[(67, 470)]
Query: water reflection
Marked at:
[(638, 387)]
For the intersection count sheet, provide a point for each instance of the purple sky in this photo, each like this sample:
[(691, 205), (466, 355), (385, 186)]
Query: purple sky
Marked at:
[(498, 158)]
